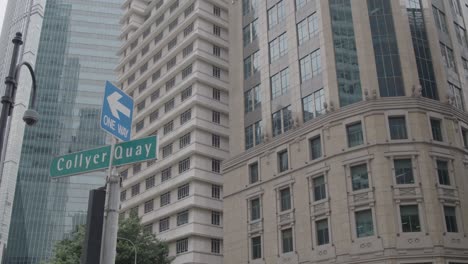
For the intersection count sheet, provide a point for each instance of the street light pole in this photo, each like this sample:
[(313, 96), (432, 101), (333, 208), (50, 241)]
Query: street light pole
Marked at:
[(30, 116), (134, 247)]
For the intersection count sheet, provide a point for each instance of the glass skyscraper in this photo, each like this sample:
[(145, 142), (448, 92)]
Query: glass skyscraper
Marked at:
[(77, 54)]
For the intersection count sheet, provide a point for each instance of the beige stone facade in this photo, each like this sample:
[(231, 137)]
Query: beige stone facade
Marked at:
[(380, 180)]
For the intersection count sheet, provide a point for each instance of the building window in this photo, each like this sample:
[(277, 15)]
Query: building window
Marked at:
[(185, 116), (216, 11), (187, 71), (215, 191), (141, 106), (254, 209), (278, 47), (464, 133), (283, 164), (166, 174), (253, 173), (403, 171), (154, 115), (215, 218), (320, 192), (443, 172), (287, 240), (410, 218), (165, 199), (188, 30), (123, 195), (364, 223), (142, 87), (250, 32), (186, 93), (436, 128), (215, 245), (354, 135), (167, 150), (310, 65), (359, 177), (155, 95), (154, 78), (168, 127), (276, 14), (215, 140), (174, 6), (189, 10), (312, 105), (135, 189), (252, 100), (172, 62), (134, 211), (216, 72), (170, 84), (216, 94), (184, 165), (285, 199), (307, 28), (251, 65), (448, 57), (282, 121), (149, 182), (216, 117), (148, 229), (421, 48), (182, 245), (440, 19), (315, 145), (124, 174), (149, 205), (173, 24), (169, 105), (163, 224), (279, 83), (457, 94), (249, 6), (301, 3), (386, 52), (182, 218), (455, 5), (397, 125), (216, 30), (253, 135), (322, 232), (216, 51), (215, 165), (256, 247), (140, 125), (450, 219), (183, 191)]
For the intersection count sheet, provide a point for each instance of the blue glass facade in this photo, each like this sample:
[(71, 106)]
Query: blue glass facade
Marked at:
[(421, 49), (77, 54), (346, 58), (387, 58)]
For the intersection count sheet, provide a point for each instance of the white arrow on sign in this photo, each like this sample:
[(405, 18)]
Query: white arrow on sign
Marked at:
[(116, 106)]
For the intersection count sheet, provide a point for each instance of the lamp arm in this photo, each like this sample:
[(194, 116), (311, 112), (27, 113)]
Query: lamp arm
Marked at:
[(33, 77)]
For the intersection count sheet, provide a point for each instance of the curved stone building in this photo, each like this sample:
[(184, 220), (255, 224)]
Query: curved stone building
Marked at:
[(354, 132)]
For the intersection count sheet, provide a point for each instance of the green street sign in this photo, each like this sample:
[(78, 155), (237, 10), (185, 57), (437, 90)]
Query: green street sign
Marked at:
[(97, 159)]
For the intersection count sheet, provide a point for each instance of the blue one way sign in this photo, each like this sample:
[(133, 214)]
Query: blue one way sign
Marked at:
[(117, 112)]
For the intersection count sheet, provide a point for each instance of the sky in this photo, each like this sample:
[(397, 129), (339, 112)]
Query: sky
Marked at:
[(2, 12)]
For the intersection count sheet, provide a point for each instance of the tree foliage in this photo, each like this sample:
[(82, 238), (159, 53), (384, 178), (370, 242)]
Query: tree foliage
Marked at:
[(150, 250)]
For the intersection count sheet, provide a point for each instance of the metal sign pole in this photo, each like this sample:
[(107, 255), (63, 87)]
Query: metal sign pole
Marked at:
[(111, 217)]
